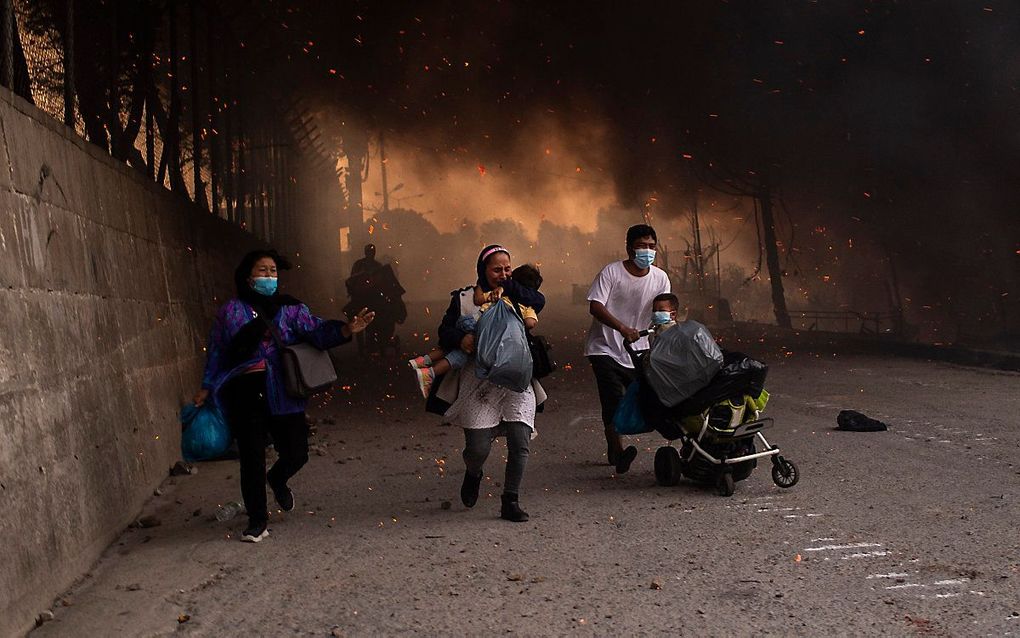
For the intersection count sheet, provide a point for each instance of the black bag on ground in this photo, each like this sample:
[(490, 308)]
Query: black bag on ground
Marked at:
[(853, 421)]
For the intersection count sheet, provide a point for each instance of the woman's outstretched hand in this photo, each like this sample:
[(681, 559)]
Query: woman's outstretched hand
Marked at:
[(359, 322)]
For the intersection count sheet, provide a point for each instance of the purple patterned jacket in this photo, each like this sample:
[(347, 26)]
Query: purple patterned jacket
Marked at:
[(294, 323)]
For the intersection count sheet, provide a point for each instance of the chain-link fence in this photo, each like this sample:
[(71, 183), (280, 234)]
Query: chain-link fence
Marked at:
[(162, 85)]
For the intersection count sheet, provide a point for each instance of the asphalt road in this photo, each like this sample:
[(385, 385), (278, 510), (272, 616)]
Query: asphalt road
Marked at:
[(905, 532)]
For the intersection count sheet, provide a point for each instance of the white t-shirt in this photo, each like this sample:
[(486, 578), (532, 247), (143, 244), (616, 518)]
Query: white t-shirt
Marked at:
[(629, 299)]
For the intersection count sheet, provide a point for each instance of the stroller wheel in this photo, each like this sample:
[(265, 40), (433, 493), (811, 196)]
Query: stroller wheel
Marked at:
[(667, 466), (724, 485), (784, 472)]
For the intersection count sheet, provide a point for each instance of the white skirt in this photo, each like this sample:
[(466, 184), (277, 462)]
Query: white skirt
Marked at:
[(481, 404)]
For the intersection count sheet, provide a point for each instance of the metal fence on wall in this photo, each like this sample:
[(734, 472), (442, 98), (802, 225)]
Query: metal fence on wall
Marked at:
[(164, 86)]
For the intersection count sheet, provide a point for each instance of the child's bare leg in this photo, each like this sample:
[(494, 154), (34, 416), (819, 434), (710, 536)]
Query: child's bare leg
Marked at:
[(440, 367)]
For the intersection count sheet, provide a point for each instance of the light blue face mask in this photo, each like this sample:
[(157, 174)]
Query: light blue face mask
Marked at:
[(660, 317), (264, 285), (644, 257)]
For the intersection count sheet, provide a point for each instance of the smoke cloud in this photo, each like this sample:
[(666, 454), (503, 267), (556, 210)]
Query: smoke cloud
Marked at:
[(888, 128)]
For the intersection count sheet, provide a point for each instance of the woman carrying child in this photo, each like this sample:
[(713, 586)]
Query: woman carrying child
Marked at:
[(483, 409), (439, 361)]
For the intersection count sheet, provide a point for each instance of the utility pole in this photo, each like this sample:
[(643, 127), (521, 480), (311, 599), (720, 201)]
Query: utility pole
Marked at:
[(699, 261), (356, 149), (382, 163), (772, 255)]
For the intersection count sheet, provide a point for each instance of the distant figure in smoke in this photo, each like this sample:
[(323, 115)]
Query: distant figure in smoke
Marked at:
[(374, 285), (620, 298), (483, 409), (244, 375), (367, 264)]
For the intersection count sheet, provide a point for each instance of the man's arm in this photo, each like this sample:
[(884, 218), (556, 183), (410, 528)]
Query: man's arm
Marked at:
[(600, 312)]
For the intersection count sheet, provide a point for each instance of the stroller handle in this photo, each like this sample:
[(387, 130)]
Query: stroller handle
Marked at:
[(635, 355)]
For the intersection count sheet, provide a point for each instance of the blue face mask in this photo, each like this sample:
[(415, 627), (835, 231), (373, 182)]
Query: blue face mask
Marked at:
[(643, 257), (660, 317), (264, 285)]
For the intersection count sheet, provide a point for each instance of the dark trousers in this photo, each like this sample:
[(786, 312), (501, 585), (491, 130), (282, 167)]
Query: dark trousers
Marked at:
[(244, 398), (478, 444), (612, 380)]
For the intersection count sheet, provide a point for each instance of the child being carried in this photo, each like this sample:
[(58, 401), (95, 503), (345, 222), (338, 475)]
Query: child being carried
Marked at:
[(437, 362)]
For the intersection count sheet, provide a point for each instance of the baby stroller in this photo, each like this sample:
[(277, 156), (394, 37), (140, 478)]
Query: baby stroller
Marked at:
[(717, 427)]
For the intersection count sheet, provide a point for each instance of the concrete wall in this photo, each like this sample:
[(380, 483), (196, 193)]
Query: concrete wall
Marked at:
[(107, 287)]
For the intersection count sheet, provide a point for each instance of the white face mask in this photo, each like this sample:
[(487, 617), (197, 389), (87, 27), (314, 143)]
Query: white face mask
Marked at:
[(644, 257), (660, 317), (264, 285)]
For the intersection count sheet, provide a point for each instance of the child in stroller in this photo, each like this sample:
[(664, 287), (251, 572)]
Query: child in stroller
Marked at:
[(717, 426)]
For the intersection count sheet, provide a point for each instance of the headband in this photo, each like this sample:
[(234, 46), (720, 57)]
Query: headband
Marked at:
[(495, 249)]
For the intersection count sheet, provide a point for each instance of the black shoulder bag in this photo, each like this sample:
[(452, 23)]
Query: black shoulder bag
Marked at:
[(541, 351), (306, 369)]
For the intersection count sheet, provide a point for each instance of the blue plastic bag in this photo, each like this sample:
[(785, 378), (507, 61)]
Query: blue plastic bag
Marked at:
[(206, 434), (628, 418), (501, 345)]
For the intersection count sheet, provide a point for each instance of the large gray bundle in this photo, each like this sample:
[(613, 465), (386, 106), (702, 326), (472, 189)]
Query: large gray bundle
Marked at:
[(683, 359), (501, 353)]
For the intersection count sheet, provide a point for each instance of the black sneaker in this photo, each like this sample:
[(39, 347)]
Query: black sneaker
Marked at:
[(284, 497), (254, 533), (626, 458)]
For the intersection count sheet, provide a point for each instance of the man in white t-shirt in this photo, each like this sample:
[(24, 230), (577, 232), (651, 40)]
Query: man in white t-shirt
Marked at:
[(620, 301)]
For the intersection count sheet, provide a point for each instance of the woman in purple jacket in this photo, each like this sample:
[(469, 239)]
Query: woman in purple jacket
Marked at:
[(244, 375)]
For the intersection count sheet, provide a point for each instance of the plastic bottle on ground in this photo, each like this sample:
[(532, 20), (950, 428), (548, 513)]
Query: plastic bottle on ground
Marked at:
[(229, 511)]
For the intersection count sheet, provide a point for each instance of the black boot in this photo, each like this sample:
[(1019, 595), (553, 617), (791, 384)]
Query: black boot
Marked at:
[(469, 489), (625, 459), (511, 510)]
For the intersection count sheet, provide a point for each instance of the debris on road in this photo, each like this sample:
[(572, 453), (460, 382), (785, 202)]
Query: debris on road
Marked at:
[(181, 468), (853, 421), (229, 510), (148, 521)]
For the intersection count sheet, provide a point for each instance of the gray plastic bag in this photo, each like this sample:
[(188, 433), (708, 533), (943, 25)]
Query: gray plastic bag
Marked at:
[(682, 360), (502, 355)]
